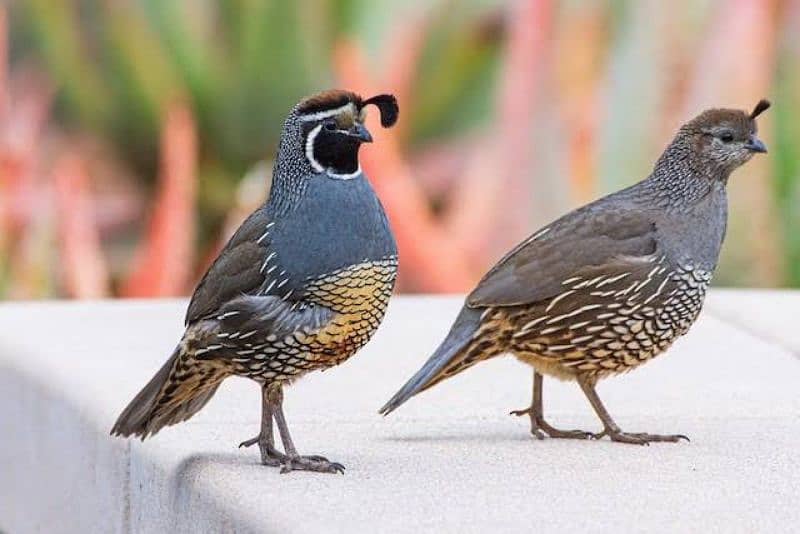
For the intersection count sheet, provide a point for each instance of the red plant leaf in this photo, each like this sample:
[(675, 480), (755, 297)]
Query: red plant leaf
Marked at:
[(163, 262)]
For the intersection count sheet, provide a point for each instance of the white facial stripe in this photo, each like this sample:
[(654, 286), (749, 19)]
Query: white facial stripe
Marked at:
[(349, 176), (325, 114), (310, 148)]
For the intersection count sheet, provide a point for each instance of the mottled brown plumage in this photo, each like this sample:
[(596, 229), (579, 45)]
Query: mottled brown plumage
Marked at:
[(302, 285), (612, 284)]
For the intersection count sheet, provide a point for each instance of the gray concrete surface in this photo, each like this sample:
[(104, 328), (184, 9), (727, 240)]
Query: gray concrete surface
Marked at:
[(450, 460)]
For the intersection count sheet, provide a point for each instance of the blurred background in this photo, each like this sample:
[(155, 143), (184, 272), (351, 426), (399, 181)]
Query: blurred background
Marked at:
[(135, 135)]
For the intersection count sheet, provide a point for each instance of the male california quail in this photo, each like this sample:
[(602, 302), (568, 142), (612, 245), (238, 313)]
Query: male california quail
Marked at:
[(610, 285), (302, 284)]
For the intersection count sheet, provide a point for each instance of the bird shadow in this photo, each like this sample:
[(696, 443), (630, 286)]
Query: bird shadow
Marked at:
[(195, 467), (198, 461), (189, 485)]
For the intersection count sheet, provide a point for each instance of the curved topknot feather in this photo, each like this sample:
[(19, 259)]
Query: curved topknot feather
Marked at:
[(387, 104), (762, 106)]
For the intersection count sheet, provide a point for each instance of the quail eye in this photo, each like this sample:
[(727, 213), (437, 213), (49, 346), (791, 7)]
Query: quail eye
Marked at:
[(330, 126), (726, 137)]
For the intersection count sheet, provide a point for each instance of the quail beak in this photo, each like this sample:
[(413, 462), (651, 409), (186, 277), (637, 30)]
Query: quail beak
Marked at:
[(755, 145), (360, 132)]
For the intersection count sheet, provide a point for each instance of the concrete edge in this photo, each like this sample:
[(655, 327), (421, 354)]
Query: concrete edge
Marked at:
[(738, 321), (754, 332), (108, 484), (87, 466)]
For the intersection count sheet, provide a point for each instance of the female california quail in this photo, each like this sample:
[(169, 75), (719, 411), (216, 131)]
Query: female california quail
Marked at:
[(610, 285), (302, 284)]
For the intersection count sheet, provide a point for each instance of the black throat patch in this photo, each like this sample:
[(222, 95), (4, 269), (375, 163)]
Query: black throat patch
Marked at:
[(332, 150)]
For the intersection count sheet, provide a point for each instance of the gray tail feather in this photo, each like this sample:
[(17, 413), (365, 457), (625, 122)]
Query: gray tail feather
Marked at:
[(453, 345), (144, 415)]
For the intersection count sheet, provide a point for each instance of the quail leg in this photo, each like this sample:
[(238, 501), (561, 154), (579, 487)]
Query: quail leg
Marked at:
[(292, 461), (541, 428), (265, 438), (610, 427)]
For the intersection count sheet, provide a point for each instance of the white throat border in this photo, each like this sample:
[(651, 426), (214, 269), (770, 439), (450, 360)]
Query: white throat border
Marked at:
[(309, 149)]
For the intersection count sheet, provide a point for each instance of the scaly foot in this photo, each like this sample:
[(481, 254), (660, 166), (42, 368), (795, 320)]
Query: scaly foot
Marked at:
[(310, 463), (640, 438), (274, 458), (541, 428)]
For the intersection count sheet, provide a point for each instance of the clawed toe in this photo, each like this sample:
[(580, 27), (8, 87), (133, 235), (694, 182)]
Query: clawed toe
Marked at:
[(570, 434), (542, 431), (311, 463), (272, 457), (670, 438), (249, 442), (622, 437), (317, 458), (641, 438), (566, 434)]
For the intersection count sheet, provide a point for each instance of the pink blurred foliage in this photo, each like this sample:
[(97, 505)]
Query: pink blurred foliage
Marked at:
[(719, 80), (25, 100), (84, 269), (455, 206), (442, 251), (578, 75), (431, 261), (486, 211), (50, 218), (529, 27), (440, 165), (446, 251), (47, 198), (403, 52), (163, 264)]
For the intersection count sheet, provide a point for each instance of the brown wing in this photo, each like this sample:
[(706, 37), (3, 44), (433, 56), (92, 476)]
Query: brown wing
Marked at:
[(236, 271), (592, 239)]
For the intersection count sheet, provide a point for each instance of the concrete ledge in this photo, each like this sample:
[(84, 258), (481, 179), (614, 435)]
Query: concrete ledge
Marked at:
[(451, 459), (771, 315)]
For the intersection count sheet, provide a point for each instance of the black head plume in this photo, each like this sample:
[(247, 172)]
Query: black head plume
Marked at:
[(762, 106), (387, 104)]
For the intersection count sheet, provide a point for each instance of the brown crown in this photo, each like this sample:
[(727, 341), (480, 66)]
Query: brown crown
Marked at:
[(733, 117), (331, 99)]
